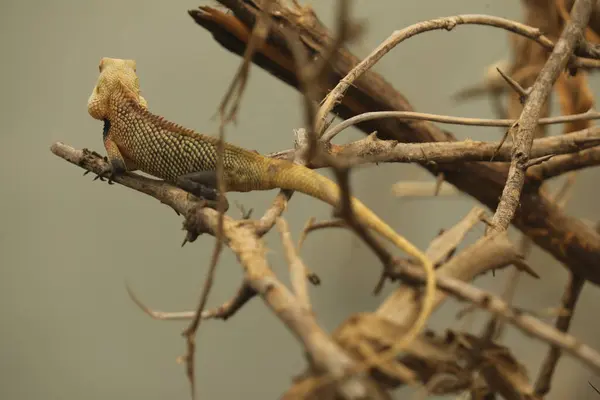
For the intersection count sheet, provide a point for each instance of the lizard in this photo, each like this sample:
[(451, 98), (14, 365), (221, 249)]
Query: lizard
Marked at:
[(137, 139)]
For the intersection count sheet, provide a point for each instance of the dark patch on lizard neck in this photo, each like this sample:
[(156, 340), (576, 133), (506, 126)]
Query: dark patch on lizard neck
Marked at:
[(106, 128)]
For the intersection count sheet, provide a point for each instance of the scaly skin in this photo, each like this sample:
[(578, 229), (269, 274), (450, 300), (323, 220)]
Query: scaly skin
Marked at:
[(134, 139)]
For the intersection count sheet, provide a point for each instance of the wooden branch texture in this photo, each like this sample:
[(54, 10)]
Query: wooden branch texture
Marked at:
[(362, 334), (360, 359), (568, 239), (326, 354), (524, 130)]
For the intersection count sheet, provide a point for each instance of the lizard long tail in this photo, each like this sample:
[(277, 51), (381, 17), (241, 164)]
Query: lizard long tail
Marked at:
[(309, 182)]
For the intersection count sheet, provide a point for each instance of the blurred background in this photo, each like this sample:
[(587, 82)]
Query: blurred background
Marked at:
[(68, 245)]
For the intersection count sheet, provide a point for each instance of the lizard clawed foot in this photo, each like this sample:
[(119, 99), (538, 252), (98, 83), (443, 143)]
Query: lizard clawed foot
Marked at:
[(113, 168), (107, 169), (89, 156)]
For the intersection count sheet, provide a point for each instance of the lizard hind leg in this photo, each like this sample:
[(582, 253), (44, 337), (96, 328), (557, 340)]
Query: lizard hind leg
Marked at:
[(202, 184)]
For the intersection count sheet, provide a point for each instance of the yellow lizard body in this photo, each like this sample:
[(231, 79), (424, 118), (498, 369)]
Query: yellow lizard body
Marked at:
[(135, 138)]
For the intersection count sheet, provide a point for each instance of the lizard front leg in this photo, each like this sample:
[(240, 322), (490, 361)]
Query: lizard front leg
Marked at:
[(202, 184), (116, 162)]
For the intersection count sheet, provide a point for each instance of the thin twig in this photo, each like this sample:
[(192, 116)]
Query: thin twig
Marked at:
[(563, 164), (309, 90), (238, 84), (312, 226), (523, 132), (278, 206), (442, 246), (224, 311), (298, 271), (537, 161), (399, 36), (447, 119), (318, 71), (234, 92), (501, 143), (308, 76), (523, 93), (423, 189), (563, 194), (192, 329), (569, 301), (346, 212), (380, 359)]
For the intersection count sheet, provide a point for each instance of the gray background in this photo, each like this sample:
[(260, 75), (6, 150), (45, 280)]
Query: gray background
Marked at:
[(67, 244)]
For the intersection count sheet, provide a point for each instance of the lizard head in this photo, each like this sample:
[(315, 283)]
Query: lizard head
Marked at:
[(116, 76)]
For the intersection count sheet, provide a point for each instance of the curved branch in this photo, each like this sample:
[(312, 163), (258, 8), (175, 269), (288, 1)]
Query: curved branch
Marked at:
[(447, 23), (447, 119)]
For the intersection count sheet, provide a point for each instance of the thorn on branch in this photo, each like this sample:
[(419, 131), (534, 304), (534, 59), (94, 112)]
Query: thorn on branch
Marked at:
[(224, 312), (504, 137), (587, 49), (594, 387), (523, 93), (246, 214), (522, 266), (439, 181), (312, 226), (537, 161)]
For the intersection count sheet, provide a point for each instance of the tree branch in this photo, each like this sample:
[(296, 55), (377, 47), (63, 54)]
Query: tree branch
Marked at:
[(560, 165), (537, 217), (446, 119), (250, 250), (523, 130), (563, 322), (372, 150)]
